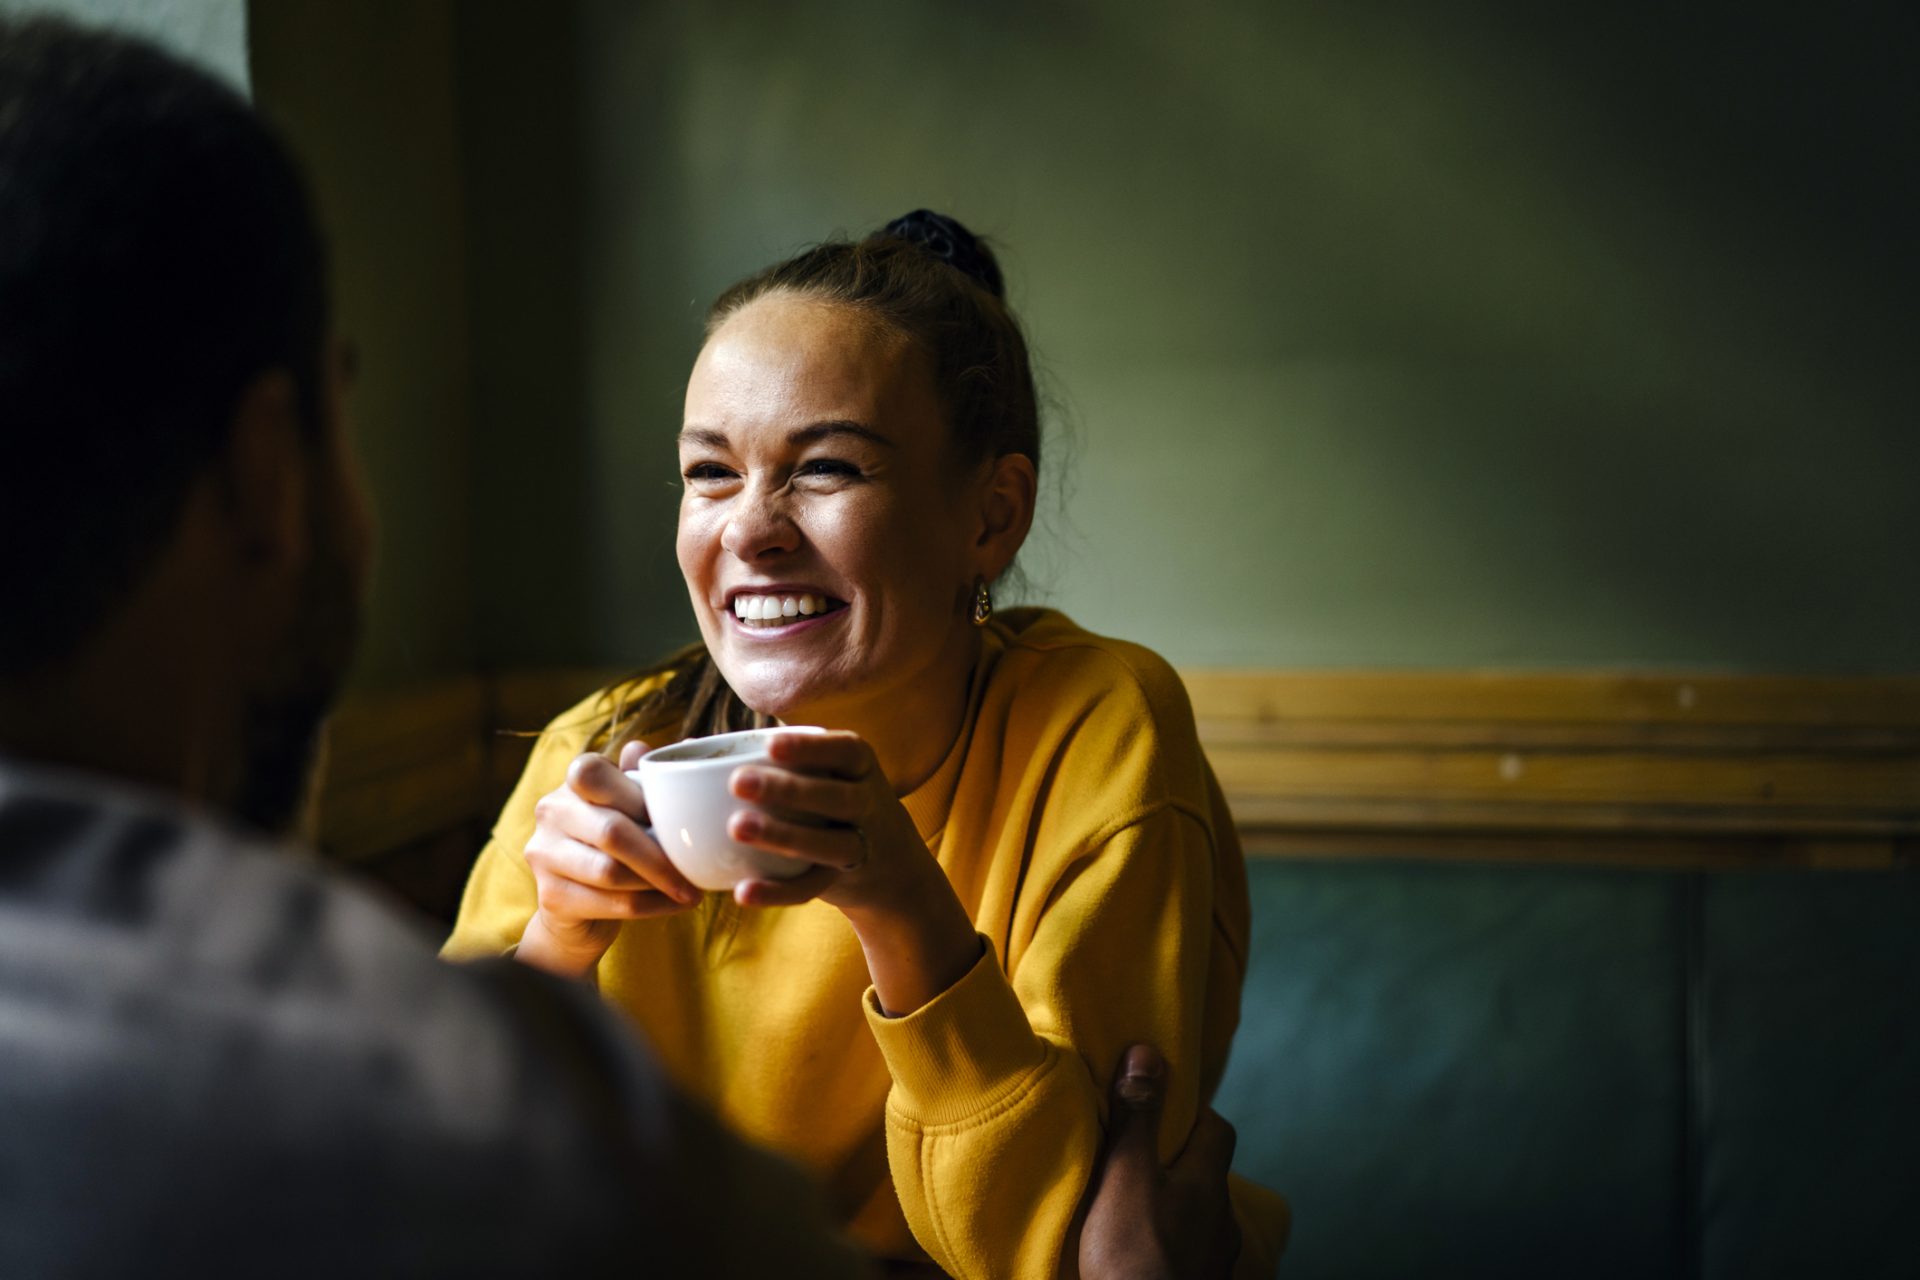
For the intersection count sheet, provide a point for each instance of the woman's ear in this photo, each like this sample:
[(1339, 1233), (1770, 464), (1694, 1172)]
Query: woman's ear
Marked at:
[(1006, 511)]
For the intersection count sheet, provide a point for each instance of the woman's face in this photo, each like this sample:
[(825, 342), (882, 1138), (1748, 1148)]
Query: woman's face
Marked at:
[(824, 533)]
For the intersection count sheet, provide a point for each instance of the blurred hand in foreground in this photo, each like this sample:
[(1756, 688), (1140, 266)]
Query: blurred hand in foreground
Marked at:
[(1149, 1223)]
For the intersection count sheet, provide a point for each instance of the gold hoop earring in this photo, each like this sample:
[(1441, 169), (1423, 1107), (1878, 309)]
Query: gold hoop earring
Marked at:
[(982, 602)]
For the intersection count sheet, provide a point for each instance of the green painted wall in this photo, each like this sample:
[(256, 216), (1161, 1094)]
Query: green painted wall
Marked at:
[(364, 91), (1395, 335), (212, 33)]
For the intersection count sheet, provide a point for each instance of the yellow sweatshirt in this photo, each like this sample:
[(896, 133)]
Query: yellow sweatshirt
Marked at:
[(1083, 830)]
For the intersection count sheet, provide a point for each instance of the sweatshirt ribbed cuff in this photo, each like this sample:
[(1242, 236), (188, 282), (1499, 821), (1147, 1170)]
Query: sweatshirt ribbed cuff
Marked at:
[(962, 1051)]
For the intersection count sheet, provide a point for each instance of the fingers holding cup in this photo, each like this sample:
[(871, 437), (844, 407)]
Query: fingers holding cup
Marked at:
[(833, 753), (782, 788), (568, 815), (840, 847), (804, 887)]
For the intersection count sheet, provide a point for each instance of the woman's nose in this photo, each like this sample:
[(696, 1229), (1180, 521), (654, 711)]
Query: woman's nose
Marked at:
[(759, 524)]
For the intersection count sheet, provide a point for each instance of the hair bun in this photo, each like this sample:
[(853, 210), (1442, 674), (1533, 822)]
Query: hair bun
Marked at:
[(950, 242)]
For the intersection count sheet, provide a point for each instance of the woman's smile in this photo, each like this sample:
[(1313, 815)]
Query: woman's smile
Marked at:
[(780, 611)]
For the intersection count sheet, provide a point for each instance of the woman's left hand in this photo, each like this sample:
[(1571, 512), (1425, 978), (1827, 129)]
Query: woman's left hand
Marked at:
[(833, 807)]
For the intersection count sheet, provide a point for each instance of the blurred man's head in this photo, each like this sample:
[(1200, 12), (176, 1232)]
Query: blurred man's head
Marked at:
[(165, 366)]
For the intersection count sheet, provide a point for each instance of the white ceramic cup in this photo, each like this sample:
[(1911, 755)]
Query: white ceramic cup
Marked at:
[(688, 804)]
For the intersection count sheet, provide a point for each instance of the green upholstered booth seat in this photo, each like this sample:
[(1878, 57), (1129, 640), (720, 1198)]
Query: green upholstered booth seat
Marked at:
[(1537, 1071)]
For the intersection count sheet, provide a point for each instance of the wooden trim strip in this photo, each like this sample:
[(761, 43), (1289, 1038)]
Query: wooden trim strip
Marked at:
[(1419, 816), (1528, 698), (1681, 770), (1630, 851), (401, 766), (1886, 785)]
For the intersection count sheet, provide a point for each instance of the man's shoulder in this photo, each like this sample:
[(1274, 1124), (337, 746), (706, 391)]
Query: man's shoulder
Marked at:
[(198, 1014), (139, 914)]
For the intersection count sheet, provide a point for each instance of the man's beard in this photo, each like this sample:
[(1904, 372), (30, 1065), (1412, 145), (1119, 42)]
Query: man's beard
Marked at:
[(282, 721)]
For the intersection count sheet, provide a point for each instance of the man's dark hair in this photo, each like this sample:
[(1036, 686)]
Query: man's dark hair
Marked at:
[(158, 252)]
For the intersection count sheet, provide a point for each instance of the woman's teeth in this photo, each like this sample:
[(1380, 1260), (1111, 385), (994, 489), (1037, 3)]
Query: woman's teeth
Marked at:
[(774, 610)]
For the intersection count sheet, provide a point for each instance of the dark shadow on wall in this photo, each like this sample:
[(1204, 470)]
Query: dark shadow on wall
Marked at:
[(646, 319), (584, 326), (365, 94), (520, 92)]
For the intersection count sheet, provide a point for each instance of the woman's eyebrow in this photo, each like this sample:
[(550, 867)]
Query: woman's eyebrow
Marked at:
[(704, 436), (825, 430), (709, 438)]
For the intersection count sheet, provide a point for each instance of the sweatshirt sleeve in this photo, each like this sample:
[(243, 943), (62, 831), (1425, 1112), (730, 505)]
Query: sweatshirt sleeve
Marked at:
[(999, 1083)]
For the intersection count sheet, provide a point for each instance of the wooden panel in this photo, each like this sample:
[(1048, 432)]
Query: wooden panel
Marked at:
[(402, 766), (1876, 786), (407, 765), (1718, 853), (371, 817), (523, 703), (1629, 770), (1522, 698), (374, 733), (1420, 814)]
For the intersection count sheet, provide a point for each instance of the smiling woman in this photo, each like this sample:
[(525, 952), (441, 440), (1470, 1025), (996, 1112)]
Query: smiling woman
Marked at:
[(1009, 838)]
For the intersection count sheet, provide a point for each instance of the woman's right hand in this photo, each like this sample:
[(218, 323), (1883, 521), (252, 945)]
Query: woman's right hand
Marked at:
[(595, 866)]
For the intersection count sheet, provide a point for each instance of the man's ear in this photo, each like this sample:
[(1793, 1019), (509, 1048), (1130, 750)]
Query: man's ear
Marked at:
[(1006, 511), (263, 475)]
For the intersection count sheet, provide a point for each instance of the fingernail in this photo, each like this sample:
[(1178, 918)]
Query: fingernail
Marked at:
[(747, 784), (1141, 1078)]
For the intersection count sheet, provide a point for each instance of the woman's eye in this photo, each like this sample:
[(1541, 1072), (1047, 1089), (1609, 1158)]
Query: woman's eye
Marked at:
[(705, 472), (834, 467)]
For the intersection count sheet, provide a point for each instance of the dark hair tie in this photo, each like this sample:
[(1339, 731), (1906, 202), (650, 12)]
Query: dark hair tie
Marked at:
[(953, 244)]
